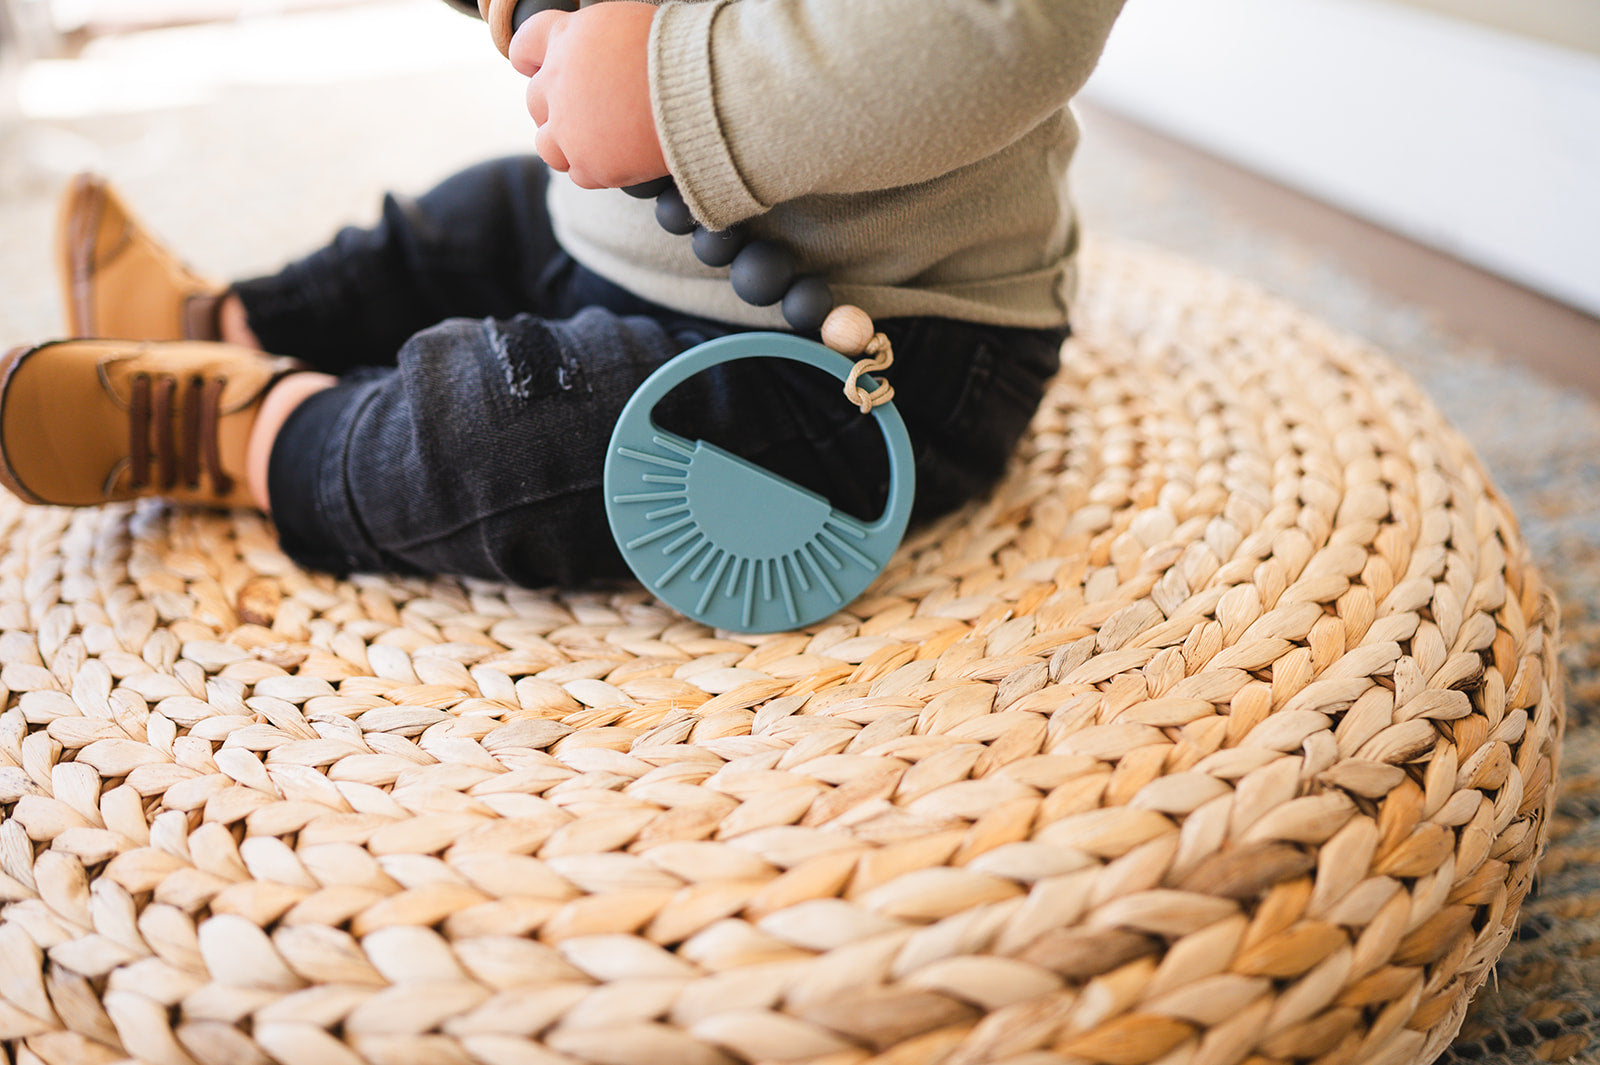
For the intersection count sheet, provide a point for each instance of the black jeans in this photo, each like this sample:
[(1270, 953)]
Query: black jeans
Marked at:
[(482, 371)]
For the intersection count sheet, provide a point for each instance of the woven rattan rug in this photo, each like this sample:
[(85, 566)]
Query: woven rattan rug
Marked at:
[(1224, 732)]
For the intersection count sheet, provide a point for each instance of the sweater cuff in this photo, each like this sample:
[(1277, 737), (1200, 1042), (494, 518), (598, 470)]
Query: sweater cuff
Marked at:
[(683, 97)]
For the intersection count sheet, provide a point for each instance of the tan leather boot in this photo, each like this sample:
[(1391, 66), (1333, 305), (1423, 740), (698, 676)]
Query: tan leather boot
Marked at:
[(119, 281), (84, 422)]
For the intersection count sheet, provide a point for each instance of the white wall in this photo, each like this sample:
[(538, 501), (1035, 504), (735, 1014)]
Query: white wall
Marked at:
[(1477, 142), (1569, 23)]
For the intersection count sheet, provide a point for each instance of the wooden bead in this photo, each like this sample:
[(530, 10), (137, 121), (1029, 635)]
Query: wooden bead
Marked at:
[(847, 330)]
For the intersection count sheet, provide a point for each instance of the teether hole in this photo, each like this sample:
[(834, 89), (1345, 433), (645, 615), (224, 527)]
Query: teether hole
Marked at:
[(842, 456)]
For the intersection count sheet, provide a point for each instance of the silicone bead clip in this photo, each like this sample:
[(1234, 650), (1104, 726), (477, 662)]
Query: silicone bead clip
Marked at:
[(762, 272), (672, 213), (526, 9), (646, 190), (717, 247), (807, 303)]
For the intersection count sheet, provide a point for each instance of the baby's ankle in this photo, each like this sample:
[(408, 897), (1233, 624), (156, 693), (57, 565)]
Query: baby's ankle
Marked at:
[(233, 324), (276, 407)]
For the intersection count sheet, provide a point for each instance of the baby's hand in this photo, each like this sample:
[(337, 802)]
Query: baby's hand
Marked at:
[(589, 91)]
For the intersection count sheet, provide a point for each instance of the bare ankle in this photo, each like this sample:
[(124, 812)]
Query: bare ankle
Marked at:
[(233, 325), (282, 401)]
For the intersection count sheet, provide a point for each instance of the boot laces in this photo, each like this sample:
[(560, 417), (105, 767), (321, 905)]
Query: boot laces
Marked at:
[(164, 450)]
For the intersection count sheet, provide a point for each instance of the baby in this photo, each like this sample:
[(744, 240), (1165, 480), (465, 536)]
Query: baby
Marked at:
[(435, 393)]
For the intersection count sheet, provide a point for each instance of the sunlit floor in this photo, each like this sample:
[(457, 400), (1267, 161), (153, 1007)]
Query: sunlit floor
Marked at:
[(245, 142), (1552, 339)]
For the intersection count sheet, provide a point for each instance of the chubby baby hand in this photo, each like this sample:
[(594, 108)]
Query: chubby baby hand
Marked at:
[(589, 92)]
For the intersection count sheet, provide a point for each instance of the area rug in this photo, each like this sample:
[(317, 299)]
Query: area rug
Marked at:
[(1226, 730)]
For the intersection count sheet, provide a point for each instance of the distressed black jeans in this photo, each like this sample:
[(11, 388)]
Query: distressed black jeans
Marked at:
[(482, 370)]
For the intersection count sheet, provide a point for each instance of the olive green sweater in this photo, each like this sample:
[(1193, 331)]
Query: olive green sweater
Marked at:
[(913, 152)]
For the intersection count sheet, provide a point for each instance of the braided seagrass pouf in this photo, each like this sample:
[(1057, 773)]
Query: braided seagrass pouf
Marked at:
[(1224, 732)]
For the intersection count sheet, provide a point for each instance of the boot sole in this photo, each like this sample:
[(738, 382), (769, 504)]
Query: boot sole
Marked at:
[(8, 365)]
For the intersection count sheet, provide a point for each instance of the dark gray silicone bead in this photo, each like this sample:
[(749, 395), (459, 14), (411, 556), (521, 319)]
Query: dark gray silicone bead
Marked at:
[(646, 190), (526, 9), (673, 213), (717, 247), (762, 273), (807, 303)]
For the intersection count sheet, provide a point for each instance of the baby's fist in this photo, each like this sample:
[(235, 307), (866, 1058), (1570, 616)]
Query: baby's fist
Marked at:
[(589, 91)]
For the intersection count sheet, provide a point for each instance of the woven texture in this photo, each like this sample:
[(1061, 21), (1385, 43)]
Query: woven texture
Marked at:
[(1226, 730)]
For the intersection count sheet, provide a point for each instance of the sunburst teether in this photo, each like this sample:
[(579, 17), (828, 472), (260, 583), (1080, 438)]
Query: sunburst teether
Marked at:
[(726, 541)]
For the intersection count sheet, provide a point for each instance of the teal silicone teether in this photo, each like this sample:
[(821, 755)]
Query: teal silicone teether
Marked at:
[(731, 544)]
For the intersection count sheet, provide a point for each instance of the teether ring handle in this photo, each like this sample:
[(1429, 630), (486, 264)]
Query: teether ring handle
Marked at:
[(784, 346)]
